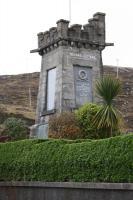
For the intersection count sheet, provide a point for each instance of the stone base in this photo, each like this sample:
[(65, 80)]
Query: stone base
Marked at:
[(39, 131), (65, 191)]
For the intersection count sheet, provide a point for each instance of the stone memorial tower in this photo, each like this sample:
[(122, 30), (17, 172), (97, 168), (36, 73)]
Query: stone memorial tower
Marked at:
[(71, 64)]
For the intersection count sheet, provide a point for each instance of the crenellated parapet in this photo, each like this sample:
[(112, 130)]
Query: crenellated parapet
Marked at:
[(71, 64), (89, 36)]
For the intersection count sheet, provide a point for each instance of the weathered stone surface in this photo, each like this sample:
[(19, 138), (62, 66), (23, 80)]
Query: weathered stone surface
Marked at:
[(90, 35), (65, 191), (41, 130), (65, 58), (65, 48)]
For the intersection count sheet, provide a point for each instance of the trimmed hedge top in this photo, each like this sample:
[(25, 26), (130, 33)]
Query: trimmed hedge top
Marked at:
[(106, 160)]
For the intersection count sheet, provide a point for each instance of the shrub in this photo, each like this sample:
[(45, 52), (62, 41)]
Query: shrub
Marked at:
[(85, 115), (16, 128), (108, 116), (106, 160), (5, 138), (64, 125)]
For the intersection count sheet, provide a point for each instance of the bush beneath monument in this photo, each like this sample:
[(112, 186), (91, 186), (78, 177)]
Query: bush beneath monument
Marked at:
[(85, 116), (106, 160), (78, 124), (64, 125)]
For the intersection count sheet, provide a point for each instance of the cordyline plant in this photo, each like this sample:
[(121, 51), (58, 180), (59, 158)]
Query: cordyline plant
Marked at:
[(108, 116)]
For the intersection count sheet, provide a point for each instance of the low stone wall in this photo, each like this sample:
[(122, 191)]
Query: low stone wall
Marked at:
[(65, 191)]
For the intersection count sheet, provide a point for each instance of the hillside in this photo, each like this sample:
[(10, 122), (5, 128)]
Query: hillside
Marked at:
[(16, 99), (125, 99), (18, 94)]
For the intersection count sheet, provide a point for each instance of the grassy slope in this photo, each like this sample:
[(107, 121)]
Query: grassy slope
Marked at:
[(14, 96)]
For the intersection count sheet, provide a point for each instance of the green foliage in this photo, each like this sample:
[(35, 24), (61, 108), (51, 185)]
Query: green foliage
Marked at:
[(107, 160), (16, 128), (85, 115), (64, 125), (108, 88), (108, 116)]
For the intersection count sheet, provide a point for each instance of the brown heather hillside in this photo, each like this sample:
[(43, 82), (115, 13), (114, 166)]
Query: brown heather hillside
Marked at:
[(124, 101), (14, 95)]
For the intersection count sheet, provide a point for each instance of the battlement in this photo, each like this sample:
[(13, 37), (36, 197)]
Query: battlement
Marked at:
[(89, 36)]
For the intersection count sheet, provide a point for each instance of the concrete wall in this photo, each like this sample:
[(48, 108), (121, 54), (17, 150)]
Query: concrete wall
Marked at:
[(65, 191)]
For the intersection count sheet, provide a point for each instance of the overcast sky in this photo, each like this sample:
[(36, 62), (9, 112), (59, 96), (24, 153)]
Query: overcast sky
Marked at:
[(21, 20)]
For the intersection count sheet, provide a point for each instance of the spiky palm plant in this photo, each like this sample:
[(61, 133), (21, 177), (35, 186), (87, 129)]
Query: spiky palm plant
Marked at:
[(108, 116)]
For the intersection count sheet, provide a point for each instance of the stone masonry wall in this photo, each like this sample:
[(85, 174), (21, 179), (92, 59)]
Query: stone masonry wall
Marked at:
[(90, 35), (64, 59), (64, 47), (65, 191)]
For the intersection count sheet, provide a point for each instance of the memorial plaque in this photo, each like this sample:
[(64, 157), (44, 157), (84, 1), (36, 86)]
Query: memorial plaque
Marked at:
[(83, 85)]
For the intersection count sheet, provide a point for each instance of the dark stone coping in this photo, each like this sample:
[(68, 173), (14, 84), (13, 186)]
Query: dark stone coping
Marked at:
[(69, 39), (99, 13), (62, 20), (41, 33), (48, 112), (92, 19), (53, 28), (96, 186), (75, 25)]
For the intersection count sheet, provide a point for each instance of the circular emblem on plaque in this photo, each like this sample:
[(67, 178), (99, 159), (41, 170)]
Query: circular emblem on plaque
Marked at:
[(82, 74)]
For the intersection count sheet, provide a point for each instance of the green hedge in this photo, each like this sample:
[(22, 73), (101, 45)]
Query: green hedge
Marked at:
[(107, 160)]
